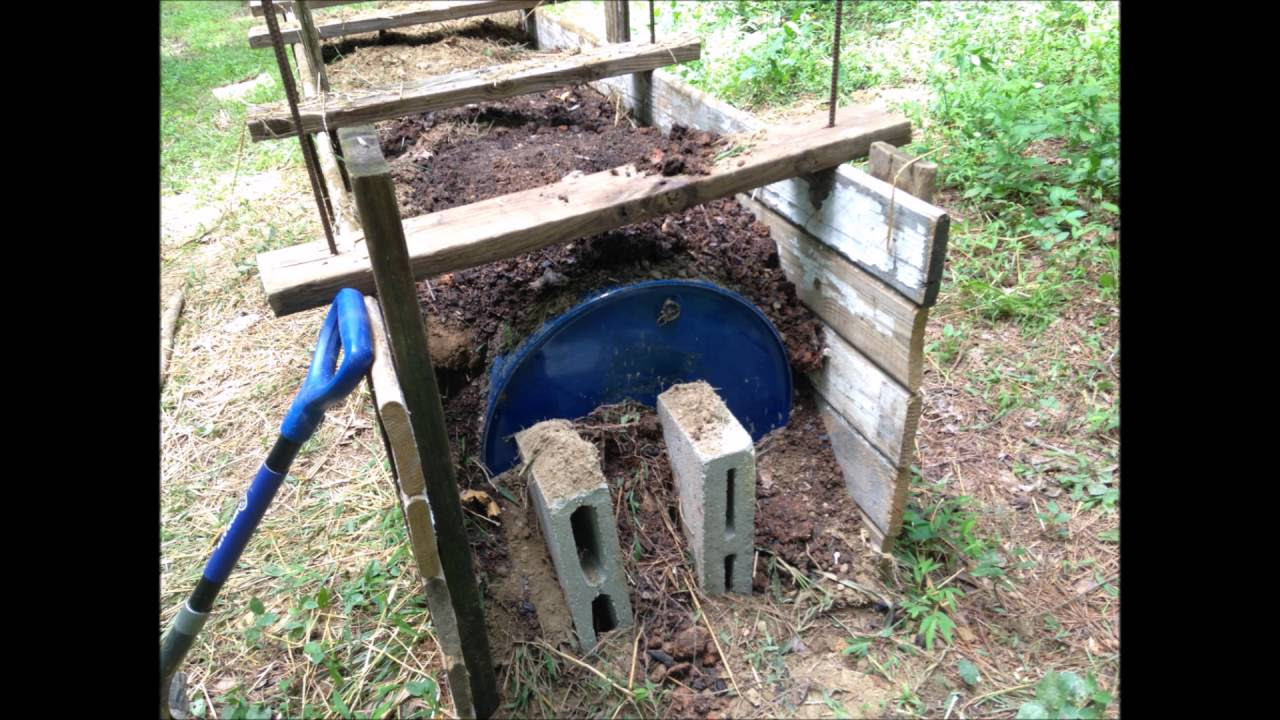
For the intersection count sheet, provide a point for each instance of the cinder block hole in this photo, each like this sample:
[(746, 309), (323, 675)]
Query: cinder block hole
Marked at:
[(603, 617), (586, 539), (728, 501), (728, 571)]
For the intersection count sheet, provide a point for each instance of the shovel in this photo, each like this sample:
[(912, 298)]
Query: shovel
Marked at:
[(346, 328)]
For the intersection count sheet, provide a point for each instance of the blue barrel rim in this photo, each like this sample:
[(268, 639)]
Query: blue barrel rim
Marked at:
[(504, 365)]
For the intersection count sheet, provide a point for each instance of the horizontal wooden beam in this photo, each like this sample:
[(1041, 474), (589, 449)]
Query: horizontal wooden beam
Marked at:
[(255, 6), (491, 83), (385, 19), (304, 276), (852, 219)]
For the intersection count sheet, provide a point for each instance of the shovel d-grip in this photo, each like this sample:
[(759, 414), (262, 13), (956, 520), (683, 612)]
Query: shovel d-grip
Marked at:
[(346, 330)]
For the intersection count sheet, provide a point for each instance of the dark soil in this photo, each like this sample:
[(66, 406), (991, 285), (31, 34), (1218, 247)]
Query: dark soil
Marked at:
[(804, 517), (534, 140)]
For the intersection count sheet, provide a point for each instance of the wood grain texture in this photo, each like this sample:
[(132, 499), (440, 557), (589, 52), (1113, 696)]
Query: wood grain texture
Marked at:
[(387, 19), (855, 221), (345, 222), (879, 488), (311, 47), (407, 337), (854, 217), (333, 110), (885, 412), (255, 6), (406, 464), (886, 163), (304, 276), (871, 316), (404, 449)]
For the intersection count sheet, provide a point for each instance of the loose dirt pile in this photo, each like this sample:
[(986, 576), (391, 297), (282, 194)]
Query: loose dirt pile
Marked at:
[(456, 157), (805, 521)]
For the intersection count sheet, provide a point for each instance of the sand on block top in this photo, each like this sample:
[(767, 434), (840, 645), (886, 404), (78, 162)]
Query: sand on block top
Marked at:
[(575, 463), (703, 415)]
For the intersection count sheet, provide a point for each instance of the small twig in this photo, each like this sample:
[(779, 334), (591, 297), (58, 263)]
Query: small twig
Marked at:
[(167, 325), (581, 664), (1006, 691), (707, 621), (635, 650), (929, 670)]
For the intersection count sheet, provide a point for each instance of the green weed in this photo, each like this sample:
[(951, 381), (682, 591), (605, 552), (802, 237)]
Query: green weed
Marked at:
[(1066, 695)]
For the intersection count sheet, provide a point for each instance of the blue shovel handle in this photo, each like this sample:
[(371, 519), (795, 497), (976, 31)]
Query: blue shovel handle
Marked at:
[(346, 326)]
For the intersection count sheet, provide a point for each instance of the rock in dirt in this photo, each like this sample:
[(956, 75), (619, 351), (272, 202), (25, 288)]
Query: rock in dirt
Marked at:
[(451, 348), (662, 657), (658, 673), (239, 90), (689, 643)]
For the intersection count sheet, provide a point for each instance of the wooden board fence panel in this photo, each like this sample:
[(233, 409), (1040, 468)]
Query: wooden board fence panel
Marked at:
[(879, 488), (333, 110), (386, 19), (303, 276), (884, 412), (871, 316), (853, 219)]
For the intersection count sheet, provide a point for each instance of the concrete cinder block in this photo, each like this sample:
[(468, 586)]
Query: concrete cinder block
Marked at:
[(575, 512), (713, 463)]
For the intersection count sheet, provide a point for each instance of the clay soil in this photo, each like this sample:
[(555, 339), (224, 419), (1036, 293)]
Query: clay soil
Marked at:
[(805, 520)]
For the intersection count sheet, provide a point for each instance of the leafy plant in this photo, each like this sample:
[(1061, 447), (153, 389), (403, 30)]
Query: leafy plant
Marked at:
[(1056, 519), (1066, 695)]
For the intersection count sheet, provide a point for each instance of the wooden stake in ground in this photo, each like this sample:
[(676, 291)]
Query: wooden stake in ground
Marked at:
[(308, 145), (167, 324), (617, 29), (311, 46), (376, 202)]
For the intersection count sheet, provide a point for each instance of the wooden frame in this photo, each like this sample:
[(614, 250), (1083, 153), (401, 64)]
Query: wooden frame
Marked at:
[(374, 21), (268, 122), (867, 259), (303, 276)]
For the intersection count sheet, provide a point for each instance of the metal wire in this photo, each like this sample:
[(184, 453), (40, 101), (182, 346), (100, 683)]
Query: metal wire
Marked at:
[(835, 65), (308, 145)]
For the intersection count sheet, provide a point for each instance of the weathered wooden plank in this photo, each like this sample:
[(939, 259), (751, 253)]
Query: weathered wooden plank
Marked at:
[(885, 412), (411, 486), (304, 276), (920, 177), (879, 488), (491, 83), (407, 339), (255, 6), (871, 316), (345, 222), (387, 19), (853, 219)]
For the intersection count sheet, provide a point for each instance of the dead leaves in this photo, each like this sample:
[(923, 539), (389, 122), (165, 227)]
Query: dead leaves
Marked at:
[(481, 501)]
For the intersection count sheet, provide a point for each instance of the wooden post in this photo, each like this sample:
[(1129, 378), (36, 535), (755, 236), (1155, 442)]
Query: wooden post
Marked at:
[(529, 20), (311, 45), (617, 29), (376, 202)]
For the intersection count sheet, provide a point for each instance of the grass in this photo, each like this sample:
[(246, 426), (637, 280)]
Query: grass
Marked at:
[(202, 47), (1005, 583)]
